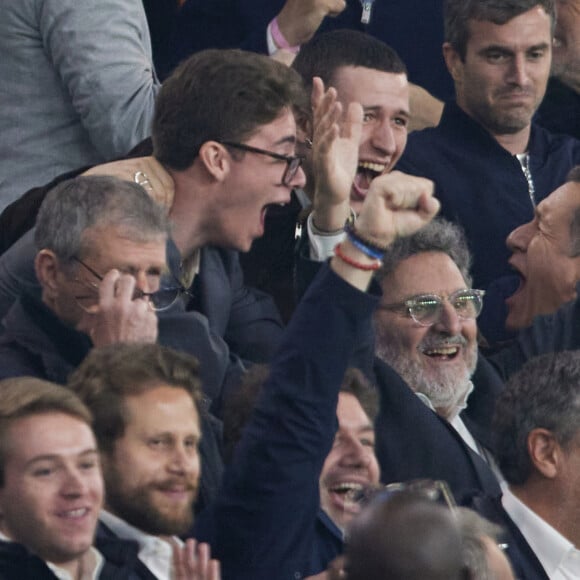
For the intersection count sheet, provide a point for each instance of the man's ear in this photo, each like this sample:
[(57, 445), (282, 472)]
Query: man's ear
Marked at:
[(453, 62), (545, 452), (46, 266), (216, 159)]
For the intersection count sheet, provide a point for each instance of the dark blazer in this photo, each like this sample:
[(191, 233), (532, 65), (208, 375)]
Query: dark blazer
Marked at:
[(266, 522), (481, 186), (36, 343), (17, 563), (524, 561), (109, 543), (224, 324), (413, 442)]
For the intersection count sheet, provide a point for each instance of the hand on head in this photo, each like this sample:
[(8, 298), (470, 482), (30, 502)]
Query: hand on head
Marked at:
[(118, 317)]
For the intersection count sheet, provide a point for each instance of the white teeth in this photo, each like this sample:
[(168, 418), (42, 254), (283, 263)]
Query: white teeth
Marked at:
[(78, 513), (347, 487), (442, 351), (376, 167)]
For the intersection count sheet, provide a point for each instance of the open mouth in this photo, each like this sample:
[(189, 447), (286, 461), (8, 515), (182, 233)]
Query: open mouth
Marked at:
[(442, 352), (365, 174), (272, 207), (347, 495), (517, 280), (519, 287)]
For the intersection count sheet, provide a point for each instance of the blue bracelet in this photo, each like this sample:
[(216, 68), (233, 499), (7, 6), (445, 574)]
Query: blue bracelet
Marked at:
[(357, 243)]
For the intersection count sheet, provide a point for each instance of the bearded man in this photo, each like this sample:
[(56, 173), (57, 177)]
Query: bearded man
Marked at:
[(437, 392)]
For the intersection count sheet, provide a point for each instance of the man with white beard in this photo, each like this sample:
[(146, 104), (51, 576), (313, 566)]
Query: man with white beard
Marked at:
[(437, 395)]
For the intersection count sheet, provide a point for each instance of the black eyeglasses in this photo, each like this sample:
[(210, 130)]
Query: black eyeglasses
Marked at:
[(162, 299), (293, 162), (425, 309)]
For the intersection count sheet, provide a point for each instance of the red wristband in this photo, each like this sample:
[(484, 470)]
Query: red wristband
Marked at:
[(351, 262)]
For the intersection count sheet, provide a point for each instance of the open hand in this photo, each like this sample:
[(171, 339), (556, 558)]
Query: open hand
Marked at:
[(192, 562), (336, 139)]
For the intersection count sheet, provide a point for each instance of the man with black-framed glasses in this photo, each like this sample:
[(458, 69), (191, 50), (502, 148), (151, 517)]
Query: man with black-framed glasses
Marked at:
[(217, 198), (100, 262)]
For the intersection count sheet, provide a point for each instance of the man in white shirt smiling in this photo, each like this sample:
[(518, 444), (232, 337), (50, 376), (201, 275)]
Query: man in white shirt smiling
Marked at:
[(51, 488)]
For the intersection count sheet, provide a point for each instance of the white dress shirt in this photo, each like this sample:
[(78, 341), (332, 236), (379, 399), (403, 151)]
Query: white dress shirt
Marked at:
[(559, 558), (155, 552)]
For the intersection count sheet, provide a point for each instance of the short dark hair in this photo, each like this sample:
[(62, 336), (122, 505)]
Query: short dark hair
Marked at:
[(110, 374), (574, 177), (458, 13), (437, 236), (239, 406), (220, 95), (22, 397), (404, 537), (85, 202), (325, 53), (543, 394)]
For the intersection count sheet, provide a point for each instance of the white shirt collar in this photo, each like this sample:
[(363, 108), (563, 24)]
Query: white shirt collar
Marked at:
[(91, 565), (155, 552), (559, 558)]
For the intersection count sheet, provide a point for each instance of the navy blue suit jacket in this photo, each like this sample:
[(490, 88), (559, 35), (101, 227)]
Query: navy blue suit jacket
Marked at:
[(482, 187), (266, 522)]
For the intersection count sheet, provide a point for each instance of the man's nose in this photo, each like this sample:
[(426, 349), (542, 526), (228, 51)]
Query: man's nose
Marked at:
[(519, 239), (356, 454), (299, 180), (183, 458), (383, 138), (74, 483), (518, 71), (449, 321)]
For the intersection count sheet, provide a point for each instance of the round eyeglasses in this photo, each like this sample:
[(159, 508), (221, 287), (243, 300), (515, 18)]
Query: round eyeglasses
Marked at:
[(293, 162), (426, 309)]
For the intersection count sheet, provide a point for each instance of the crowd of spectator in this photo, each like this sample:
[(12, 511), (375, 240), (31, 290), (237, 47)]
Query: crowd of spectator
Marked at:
[(307, 308)]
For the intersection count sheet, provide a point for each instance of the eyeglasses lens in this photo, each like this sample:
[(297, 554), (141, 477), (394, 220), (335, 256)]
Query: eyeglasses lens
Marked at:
[(164, 298), (427, 309)]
